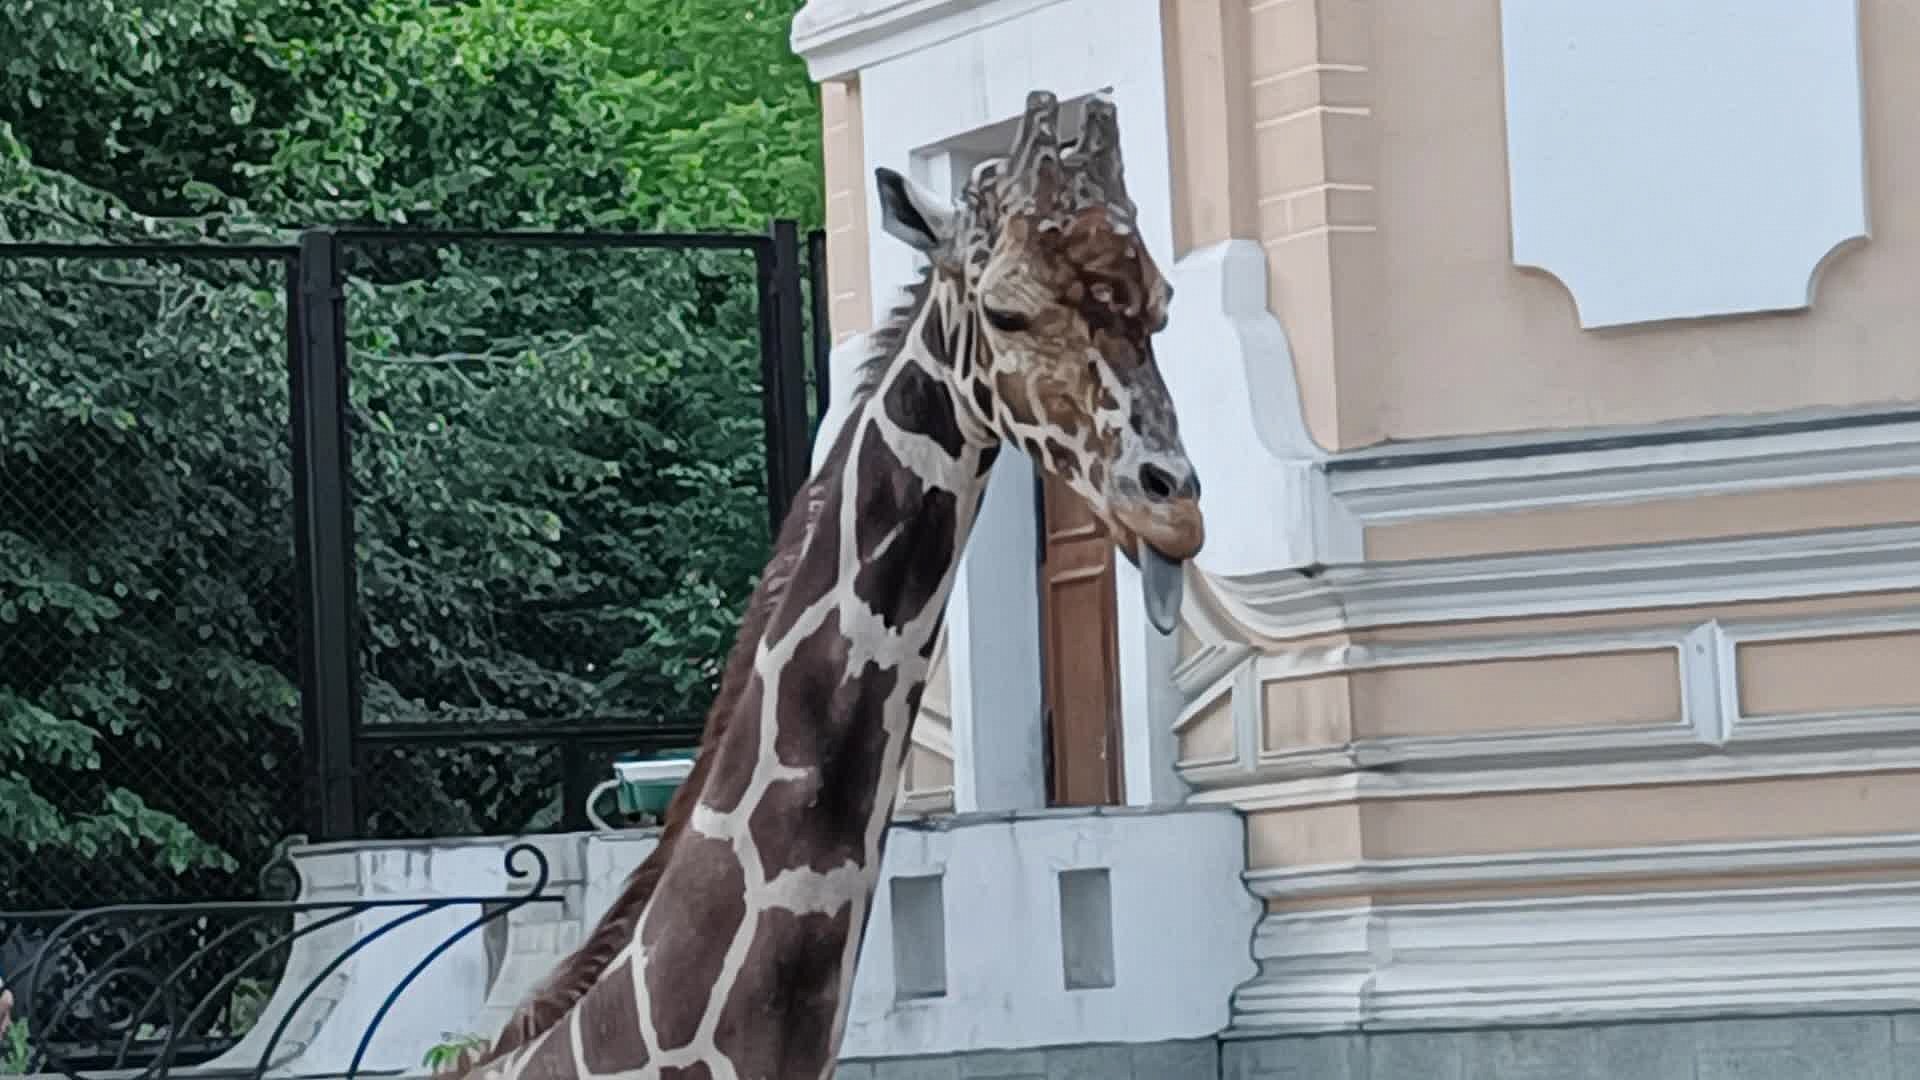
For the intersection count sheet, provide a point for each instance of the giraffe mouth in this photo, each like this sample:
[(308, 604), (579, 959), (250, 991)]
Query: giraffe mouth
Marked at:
[(1161, 585)]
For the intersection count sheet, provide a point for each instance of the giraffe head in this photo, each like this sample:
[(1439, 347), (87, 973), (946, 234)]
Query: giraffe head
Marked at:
[(1058, 301)]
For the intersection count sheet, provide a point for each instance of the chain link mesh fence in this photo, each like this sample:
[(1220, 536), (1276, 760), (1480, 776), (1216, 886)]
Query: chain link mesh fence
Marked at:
[(559, 489), (149, 707), (560, 502)]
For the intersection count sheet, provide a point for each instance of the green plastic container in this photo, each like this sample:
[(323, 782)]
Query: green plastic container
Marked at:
[(648, 782)]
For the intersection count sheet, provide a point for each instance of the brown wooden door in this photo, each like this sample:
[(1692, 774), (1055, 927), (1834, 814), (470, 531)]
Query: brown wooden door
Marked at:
[(1079, 651)]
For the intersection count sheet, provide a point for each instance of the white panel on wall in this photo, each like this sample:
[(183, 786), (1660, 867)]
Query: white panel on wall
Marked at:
[(1674, 159)]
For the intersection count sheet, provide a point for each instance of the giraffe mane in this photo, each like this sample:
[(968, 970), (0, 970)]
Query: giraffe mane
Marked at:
[(885, 344), (569, 982)]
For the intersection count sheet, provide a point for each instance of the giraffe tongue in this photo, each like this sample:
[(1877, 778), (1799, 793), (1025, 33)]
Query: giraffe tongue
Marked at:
[(1160, 582)]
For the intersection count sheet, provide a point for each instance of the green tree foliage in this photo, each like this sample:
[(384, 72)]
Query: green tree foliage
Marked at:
[(558, 466), (733, 131)]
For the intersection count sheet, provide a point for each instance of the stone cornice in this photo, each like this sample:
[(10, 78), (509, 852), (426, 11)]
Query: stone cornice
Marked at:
[(839, 37)]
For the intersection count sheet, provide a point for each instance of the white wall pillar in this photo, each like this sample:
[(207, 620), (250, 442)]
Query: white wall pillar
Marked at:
[(993, 651)]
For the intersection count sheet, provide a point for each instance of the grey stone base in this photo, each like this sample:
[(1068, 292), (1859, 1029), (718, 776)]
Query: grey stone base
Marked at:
[(1880, 1046), (1192, 1060), (1875, 1046)]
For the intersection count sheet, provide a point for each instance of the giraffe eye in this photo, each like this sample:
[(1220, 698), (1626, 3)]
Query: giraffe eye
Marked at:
[(1004, 321)]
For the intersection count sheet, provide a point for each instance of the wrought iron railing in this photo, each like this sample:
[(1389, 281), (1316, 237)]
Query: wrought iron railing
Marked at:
[(144, 991)]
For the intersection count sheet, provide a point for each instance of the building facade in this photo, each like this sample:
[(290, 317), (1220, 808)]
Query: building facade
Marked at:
[(1551, 368)]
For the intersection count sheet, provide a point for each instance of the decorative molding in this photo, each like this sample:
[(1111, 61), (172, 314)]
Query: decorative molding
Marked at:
[(1712, 740), (1709, 683), (1561, 762), (839, 37), (1661, 168), (1837, 854), (1229, 361), (1601, 957), (1458, 477), (1286, 604)]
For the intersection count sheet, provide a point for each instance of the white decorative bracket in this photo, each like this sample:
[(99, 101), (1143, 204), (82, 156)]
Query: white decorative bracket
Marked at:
[(1226, 361), (1683, 160)]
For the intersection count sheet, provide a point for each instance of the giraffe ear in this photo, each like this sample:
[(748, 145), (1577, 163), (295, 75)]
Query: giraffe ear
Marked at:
[(916, 216)]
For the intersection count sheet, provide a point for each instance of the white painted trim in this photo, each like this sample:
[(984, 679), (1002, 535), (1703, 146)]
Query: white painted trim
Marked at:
[(1597, 957), (1307, 661), (1711, 740), (1229, 369), (1569, 761), (1566, 470), (1280, 605), (1709, 688), (1555, 868)]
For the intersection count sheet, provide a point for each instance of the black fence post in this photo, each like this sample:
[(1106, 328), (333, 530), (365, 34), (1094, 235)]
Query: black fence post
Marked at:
[(323, 538), (822, 323), (783, 369)]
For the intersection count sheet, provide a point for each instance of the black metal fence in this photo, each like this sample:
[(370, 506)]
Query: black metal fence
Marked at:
[(137, 991), (375, 534)]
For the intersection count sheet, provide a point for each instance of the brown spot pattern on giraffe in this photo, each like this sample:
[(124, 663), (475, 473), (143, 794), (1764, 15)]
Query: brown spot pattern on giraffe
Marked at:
[(933, 335), (701, 902), (576, 975), (841, 744), (898, 579), (778, 1020), (807, 690), (1066, 465), (1013, 395), (884, 493), (695, 1071), (553, 1059), (817, 567), (609, 1031), (923, 405), (727, 784)]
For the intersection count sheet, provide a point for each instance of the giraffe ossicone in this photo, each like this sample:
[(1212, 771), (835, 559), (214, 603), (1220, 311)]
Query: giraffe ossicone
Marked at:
[(731, 952)]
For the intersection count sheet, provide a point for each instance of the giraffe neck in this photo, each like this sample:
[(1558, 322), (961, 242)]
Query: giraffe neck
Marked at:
[(742, 963)]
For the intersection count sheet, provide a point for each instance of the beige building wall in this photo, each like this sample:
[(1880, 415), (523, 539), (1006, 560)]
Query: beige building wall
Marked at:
[(1628, 742), (850, 310), (1375, 136), (1690, 673)]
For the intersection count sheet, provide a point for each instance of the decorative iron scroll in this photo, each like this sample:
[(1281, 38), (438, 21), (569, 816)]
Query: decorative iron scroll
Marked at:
[(142, 990)]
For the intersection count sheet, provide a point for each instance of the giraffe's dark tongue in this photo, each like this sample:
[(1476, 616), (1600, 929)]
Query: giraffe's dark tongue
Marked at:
[(1160, 582)]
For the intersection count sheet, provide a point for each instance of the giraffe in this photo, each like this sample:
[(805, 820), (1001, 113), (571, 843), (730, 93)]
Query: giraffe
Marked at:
[(731, 953)]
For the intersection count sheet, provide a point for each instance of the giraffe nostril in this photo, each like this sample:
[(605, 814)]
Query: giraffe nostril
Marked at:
[(1155, 481)]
